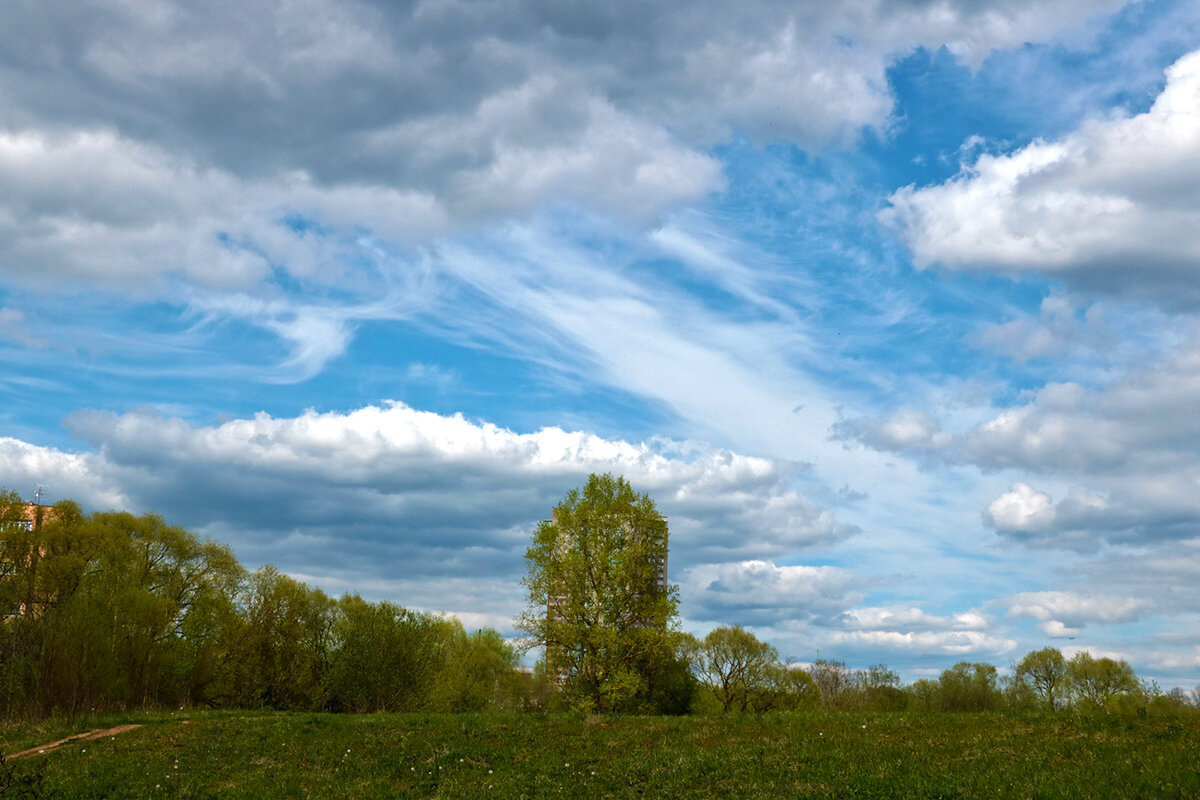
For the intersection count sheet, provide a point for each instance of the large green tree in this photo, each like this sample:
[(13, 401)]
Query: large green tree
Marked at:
[(1045, 672), (1095, 681), (735, 665), (595, 601)]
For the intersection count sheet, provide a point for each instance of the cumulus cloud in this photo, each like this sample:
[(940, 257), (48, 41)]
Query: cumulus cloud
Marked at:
[(1064, 614), (908, 618), (1057, 330), (952, 643), (914, 631), (270, 161), (907, 430), (1128, 449), (95, 207), (390, 493), (756, 593), (1110, 207), (1075, 521), (406, 120), (79, 476)]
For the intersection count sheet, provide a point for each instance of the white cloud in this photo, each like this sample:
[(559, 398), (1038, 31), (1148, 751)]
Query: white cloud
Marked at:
[(420, 499), (159, 152), (93, 207), (907, 618), (1054, 332), (15, 327), (1111, 206), (910, 631), (954, 643), (161, 126), (907, 430), (758, 593), (1063, 615), (81, 477), (1022, 508), (1126, 451)]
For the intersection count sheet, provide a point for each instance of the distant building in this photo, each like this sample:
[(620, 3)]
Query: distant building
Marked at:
[(22, 517), (27, 516)]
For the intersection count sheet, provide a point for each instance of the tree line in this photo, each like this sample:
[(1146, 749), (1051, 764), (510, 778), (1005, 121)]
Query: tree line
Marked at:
[(599, 605), (112, 610), (738, 672)]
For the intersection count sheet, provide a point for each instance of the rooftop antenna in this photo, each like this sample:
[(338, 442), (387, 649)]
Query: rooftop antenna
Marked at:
[(37, 495)]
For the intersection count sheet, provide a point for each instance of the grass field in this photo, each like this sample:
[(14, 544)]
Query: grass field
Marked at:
[(842, 755)]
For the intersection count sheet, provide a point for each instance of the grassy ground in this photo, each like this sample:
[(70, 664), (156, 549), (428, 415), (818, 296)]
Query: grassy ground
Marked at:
[(842, 755)]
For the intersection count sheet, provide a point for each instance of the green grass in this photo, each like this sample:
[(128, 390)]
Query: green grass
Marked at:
[(835, 755)]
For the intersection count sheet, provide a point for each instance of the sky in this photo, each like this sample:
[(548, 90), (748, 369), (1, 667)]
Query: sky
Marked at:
[(893, 308)]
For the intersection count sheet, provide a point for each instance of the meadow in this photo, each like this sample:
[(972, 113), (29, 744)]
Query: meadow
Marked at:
[(807, 754)]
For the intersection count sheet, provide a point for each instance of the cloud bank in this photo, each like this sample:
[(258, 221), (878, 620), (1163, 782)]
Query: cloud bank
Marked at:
[(411, 496)]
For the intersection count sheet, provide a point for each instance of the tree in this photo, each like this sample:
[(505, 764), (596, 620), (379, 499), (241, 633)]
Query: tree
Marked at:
[(734, 665), (1096, 680), (480, 673), (385, 658), (880, 688), (1044, 671), (833, 678), (785, 688), (596, 602), (969, 687), (277, 654)]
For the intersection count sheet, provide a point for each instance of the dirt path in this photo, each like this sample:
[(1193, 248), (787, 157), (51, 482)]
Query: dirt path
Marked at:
[(47, 748)]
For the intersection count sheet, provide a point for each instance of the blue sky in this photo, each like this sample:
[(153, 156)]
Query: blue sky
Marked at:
[(892, 308)]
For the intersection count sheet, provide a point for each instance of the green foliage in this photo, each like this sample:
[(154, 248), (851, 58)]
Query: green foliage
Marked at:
[(109, 609), (969, 687), (277, 651), (1097, 681), (114, 610), (594, 600), (736, 666), (479, 673), (27, 784), (785, 688), (1045, 673), (383, 657)]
